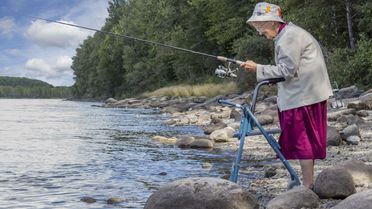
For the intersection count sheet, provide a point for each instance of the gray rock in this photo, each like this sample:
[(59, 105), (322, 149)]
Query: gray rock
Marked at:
[(361, 172), (367, 100), (201, 193), (222, 135), (353, 140), (110, 100), (201, 144), (265, 119), (334, 183), (333, 136), (235, 114), (350, 119), (296, 198), (185, 141), (200, 100), (115, 200), (333, 116), (349, 92), (208, 129), (358, 105), (352, 130), (362, 113), (88, 199), (361, 200)]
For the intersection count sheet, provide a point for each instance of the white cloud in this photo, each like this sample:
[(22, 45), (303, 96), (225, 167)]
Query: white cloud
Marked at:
[(7, 26), (53, 34), (63, 63), (39, 65), (59, 65)]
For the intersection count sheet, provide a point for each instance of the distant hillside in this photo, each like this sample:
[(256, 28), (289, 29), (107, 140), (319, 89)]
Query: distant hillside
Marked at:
[(13, 87), (23, 82)]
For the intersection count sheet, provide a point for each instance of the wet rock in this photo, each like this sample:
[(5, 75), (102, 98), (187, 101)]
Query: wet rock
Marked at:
[(201, 144), (296, 198), (170, 122), (353, 140), (352, 130), (361, 200), (114, 200), (162, 174), (333, 136), (201, 193), (334, 183), (185, 141), (88, 199), (360, 172), (222, 135), (110, 100), (206, 165), (165, 140), (208, 129)]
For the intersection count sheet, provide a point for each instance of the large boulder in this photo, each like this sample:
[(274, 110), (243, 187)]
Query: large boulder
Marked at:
[(349, 92), (296, 198), (361, 200), (201, 193), (361, 172), (334, 183)]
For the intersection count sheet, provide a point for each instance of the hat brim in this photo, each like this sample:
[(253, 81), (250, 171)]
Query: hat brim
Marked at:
[(263, 18)]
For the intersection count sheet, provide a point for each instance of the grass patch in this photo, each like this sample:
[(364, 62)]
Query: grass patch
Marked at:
[(208, 90)]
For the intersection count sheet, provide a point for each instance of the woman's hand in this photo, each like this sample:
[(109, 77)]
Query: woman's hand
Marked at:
[(249, 65)]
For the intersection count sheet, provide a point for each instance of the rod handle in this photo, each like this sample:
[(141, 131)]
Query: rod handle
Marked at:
[(225, 59)]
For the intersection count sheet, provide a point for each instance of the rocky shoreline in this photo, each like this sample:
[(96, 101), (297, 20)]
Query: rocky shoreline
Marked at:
[(349, 141)]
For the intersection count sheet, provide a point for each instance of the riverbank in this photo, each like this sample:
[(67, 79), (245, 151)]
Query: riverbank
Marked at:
[(349, 136)]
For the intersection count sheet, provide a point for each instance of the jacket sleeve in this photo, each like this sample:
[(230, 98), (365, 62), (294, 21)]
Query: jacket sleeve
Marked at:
[(288, 52)]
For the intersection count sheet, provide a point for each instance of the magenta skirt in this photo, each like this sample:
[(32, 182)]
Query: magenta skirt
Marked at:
[(304, 132)]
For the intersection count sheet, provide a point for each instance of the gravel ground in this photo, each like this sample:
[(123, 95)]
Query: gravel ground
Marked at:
[(259, 158)]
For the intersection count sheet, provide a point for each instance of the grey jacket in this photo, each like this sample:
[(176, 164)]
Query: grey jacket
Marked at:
[(299, 59)]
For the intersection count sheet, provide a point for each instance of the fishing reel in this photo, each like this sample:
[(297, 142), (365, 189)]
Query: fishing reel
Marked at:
[(226, 72)]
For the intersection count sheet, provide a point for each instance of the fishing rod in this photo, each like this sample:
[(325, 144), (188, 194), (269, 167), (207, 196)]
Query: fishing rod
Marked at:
[(221, 71)]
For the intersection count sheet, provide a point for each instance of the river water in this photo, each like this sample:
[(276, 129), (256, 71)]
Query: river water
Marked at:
[(54, 152)]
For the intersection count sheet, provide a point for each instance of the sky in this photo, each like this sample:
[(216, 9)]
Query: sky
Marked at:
[(40, 50)]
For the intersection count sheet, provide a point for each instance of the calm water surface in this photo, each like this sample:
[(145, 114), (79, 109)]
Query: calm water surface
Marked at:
[(54, 152)]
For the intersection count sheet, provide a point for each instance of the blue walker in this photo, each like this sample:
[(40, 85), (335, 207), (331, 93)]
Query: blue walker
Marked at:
[(247, 124)]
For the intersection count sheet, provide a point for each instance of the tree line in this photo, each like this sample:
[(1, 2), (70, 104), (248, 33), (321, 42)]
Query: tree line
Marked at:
[(107, 66), (14, 87)]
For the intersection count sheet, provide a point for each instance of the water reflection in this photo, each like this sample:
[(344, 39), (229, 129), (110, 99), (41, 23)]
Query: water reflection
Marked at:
[(54, 152)]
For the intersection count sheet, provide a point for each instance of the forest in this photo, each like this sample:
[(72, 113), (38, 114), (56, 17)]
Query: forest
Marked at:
[(14, 87), (107, 66)]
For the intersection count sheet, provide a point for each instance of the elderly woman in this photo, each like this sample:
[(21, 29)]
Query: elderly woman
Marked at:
[(302, 97)]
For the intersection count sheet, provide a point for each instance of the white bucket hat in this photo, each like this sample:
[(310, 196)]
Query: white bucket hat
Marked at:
[(266, 12)]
